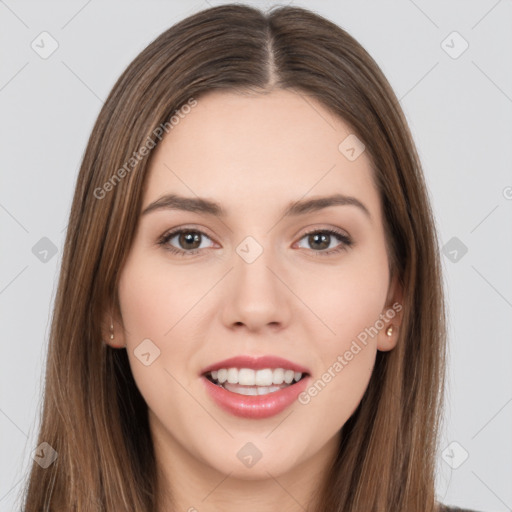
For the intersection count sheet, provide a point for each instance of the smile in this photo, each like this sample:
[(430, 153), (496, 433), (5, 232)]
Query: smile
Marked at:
[(254, 402), (249, 382)]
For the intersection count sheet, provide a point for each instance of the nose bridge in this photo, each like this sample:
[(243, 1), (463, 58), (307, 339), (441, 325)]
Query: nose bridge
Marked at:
[(257, 297), (252, 262)]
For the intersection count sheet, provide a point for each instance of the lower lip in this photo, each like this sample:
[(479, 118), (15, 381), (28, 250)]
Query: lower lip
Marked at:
[(255, 407)]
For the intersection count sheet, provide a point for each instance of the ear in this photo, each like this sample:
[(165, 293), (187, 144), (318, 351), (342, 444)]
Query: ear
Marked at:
[(112, 331), (391, 316)]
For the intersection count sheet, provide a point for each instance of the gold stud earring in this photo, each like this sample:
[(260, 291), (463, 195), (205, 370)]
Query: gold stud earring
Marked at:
[(389, 331), (111, 329)]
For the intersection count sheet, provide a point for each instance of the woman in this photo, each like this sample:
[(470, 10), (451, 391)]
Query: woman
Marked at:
[(250, 308)]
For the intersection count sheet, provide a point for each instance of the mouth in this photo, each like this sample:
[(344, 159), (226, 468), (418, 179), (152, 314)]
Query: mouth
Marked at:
[(251, 382), (255, 387)]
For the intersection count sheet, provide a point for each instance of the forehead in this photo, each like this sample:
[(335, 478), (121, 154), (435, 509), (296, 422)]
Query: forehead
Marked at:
[(245, 148)]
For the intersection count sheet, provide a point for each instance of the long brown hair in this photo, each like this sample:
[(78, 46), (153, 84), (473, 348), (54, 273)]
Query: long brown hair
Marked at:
[(93, 414)]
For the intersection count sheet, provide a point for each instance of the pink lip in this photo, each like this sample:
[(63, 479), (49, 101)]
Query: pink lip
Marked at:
[(256, 363), (255, 407)]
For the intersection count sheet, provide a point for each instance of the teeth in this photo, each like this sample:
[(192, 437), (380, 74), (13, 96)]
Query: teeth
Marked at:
[(266, 390), (288, 376), (233, 376), (246, 377), (278, 376), (249, 377), (252, 391), (264, 377)]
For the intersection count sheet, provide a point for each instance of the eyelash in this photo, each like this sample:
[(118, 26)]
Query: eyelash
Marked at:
[(346, 242)]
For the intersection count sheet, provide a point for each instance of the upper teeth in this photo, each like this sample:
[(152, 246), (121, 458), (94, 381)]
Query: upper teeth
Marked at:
[(250, 377)]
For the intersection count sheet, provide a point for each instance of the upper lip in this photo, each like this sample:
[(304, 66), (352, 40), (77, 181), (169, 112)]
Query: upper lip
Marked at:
[(256, 363)]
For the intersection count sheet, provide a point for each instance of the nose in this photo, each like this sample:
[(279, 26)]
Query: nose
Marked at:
[(257, 297)]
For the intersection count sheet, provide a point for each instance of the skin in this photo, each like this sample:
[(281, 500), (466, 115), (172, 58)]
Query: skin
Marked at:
[(254, 154)]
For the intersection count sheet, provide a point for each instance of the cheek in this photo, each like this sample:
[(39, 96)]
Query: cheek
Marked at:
[(338, 385), (151, 304), (154, 297), (349, 302), (157, 304), (348, 297)]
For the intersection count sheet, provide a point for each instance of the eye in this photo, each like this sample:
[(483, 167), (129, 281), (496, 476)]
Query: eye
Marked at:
[(188, 240), (322, 238)]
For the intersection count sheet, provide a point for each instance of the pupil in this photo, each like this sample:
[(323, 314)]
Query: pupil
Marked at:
[(322, 237), (190, 238)]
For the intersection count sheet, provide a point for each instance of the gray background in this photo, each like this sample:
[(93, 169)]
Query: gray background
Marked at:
[(459, 110)]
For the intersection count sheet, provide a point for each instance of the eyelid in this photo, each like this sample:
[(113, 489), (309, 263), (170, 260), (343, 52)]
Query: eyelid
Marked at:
[(189, 227), (313, 228)]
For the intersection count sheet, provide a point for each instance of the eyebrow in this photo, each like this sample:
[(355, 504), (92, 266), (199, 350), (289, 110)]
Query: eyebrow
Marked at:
[(208, 207)]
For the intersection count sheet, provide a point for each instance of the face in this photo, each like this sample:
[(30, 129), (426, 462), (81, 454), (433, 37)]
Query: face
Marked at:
[(310, 286)]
